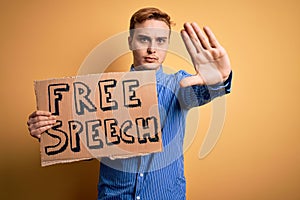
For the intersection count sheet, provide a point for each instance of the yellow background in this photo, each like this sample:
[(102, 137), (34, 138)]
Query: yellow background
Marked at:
[(258, 154)]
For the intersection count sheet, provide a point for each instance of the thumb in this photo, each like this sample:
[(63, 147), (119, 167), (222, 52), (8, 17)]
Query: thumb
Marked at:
[(192, 80)]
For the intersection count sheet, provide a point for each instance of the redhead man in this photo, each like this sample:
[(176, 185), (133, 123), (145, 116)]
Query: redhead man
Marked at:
[(160, 175)]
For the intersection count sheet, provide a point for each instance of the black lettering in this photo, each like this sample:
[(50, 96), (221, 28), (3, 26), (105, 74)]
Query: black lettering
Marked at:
[(110, 131), (93, 134), (81, 97), (62, 138), (56, 90), (125, 127), (147, 128), (130, 99), (75, 128), (106, 102)]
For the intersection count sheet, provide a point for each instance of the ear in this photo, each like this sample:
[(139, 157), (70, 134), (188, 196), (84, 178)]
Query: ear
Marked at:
[(130, 42)]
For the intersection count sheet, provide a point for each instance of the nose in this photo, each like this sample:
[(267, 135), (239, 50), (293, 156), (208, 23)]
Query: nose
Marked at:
[(151, 48)]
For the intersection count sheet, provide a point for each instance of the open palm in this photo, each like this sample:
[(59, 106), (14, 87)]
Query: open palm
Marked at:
[(209, 58)]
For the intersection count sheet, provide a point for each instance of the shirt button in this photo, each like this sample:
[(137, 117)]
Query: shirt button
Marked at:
[(141, 174), (138, 197)]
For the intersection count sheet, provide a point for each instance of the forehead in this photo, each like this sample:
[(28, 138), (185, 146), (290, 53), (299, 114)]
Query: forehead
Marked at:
[(152, 27)]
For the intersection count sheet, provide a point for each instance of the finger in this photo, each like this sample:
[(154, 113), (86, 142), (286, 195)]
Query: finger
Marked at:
[(40, 124), (40, 118), (39, 113), (200, 34), (188, 43), (192, 80), (37, 119), (40, 127), (211, 37), (37, 132), (193, 37)]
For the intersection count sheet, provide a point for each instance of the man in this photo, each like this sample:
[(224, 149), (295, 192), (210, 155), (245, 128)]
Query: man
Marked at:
[(160, 175)]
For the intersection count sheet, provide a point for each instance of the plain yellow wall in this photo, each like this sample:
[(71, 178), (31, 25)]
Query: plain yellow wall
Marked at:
[(258, 154)]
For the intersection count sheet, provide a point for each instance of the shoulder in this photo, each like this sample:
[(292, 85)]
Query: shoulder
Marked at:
[(172, 80), (181, 74), (177, 76)]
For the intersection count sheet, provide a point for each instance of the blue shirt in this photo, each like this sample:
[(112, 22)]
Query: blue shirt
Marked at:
[(159, 175)]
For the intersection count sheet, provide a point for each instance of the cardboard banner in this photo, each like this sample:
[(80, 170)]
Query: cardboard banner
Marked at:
[(99, 115)]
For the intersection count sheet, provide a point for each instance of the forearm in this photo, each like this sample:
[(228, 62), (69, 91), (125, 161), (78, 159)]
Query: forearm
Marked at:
[(198, 95)]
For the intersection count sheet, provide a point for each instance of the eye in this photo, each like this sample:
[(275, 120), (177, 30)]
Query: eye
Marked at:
[(161, 40), (144, 39)]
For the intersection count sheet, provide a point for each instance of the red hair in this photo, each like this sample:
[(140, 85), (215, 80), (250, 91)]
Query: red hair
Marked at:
[(149, 13)]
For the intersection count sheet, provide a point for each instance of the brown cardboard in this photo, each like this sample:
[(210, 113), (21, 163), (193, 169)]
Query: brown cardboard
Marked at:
[(99, 115)]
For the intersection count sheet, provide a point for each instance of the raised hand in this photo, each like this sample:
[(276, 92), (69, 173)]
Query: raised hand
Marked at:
[(209, 58)]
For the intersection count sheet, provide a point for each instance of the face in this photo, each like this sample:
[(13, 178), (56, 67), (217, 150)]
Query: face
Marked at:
[(149, 44)]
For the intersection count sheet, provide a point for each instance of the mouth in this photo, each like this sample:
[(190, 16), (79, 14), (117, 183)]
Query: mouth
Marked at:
[(151, 59)]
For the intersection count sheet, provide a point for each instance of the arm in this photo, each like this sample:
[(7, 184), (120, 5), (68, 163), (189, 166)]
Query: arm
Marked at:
[(212, 66), (197, 95)]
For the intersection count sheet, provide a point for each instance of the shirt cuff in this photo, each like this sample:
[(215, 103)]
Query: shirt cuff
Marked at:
[(226, 85)]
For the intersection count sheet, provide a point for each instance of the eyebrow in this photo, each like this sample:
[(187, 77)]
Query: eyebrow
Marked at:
[(143, 36), (146, 36)]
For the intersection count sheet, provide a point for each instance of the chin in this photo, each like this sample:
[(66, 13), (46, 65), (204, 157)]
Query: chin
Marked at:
[(148, 66)]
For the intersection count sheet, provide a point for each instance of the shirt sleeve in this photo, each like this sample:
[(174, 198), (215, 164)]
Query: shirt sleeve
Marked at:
[(198, 95)]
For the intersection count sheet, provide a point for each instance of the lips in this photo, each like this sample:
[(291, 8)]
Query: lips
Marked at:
[(151, 59)]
